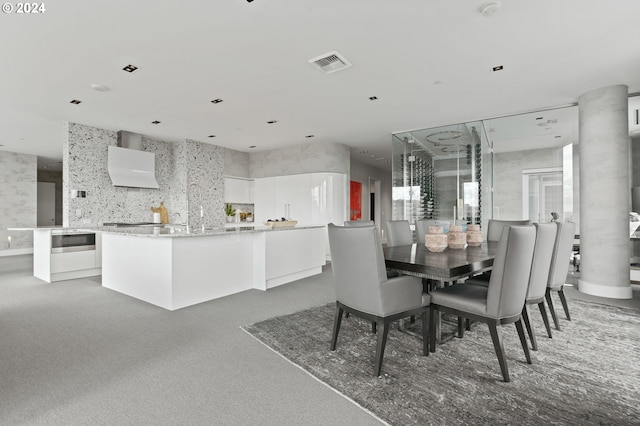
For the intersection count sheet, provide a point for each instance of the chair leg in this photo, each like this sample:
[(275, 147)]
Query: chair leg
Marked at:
[(373, 327), (460, 327), (563, 299), (499, 348), (527, 324), (468, 324), (336, 327), (545, 318), (382, 341), (347, 314), (432, 329), (552, 309), (523, 341), (425, 333), (413, 319)]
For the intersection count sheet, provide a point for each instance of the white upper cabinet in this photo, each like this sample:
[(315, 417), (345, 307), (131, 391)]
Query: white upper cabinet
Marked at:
[(238, 190), (311, 198)]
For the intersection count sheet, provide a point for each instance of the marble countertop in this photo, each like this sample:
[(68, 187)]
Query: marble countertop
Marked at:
[(166, 230)]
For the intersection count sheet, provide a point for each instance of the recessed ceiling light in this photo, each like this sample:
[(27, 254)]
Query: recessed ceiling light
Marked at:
[(216, 101), (558, 136), (155, 122), (539, 118), (373, 98), (211, 136), (252, 146), (310, 136), (100, 87), (498, 68), (75, 101), (130, 68), (272, 122), (372, 156)]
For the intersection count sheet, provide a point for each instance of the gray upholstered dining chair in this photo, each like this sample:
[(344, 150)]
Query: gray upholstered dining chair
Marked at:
[(358, 223), (399, 233), (560, 268), (363, 289), (542, 255), (494, 227), (499, 303), (422, 229)]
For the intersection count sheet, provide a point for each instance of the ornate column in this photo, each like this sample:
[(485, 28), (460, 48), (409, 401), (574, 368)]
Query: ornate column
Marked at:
[(604, 192)]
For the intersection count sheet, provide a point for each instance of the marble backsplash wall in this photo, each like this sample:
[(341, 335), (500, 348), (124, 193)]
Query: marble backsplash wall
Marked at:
[(19, 193), (177, 165), (204, 165)]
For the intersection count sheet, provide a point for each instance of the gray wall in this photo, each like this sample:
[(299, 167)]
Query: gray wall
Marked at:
[(18, 192), (361, 173), (507, 178), (236, 163), (308, 158)]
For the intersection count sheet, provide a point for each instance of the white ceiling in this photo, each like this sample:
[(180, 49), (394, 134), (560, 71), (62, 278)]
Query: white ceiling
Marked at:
[(429, 63)]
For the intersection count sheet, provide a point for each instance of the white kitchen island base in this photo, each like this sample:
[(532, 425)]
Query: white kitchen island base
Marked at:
[(178, 270)]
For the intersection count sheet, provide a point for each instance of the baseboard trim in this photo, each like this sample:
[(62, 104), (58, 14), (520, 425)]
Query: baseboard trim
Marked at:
[(605, 290)]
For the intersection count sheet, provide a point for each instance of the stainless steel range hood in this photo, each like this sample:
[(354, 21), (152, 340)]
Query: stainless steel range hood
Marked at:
[(128, 165)]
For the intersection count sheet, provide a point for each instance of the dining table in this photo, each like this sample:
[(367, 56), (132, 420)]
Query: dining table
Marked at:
[(439, 268), (447, 266)]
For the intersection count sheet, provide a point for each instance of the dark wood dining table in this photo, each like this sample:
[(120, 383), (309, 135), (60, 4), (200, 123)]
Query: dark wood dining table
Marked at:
[(448, 266)]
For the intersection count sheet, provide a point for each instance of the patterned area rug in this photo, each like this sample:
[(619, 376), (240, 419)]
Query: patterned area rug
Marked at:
[(589, 373)]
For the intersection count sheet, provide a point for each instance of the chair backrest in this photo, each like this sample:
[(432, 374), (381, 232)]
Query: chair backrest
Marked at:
[(542, 255), (510, 273), (561, 254), (357, 265), (355, 223), (422, 228), (495, 227), (399, 233)]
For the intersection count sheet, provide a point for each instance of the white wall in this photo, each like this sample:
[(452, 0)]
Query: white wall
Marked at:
[(18, 192)]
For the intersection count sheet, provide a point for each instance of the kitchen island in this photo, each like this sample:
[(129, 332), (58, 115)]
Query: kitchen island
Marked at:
[(175, 269)]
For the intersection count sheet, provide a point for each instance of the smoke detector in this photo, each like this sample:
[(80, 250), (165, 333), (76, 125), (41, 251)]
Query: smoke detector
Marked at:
[(330, 62), (490, 8)]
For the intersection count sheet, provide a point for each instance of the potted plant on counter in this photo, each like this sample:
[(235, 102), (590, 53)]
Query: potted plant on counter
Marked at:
[(230, 212)]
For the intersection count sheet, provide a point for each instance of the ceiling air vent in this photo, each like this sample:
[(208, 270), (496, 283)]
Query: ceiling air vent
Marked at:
[(330, 62)]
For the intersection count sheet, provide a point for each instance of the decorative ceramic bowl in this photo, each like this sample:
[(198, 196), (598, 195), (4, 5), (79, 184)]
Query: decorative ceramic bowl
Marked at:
[(457, 238), (474, 235), (435, 240)]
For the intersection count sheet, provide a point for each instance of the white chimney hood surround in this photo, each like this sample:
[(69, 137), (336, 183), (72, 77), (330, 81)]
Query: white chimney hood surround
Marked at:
[(131, 167)]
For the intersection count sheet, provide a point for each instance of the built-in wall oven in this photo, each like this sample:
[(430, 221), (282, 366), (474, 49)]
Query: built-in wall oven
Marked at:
[(63, 242)]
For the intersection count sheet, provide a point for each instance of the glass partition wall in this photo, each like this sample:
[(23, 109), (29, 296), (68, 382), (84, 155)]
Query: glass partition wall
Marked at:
[(444, 174)]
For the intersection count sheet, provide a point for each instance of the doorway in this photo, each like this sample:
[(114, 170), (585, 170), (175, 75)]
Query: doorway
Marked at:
[(374, 200), (542, 194), (46, 204)]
